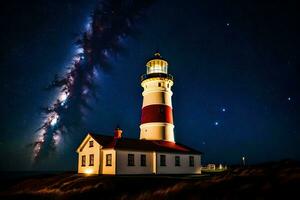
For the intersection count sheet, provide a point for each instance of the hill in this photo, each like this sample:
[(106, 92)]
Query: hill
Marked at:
[(265, 181)]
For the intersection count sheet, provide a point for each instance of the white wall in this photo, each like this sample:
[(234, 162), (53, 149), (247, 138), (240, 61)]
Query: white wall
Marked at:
[(158, 97), (122, 162), (86, 150), (157, 131), (184, 167), (108, 169)]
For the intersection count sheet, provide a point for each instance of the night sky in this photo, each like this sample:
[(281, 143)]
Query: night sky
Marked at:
[(235, 63)]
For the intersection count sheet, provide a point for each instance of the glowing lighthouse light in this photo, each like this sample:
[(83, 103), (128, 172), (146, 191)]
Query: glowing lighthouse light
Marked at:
[(157, 65)]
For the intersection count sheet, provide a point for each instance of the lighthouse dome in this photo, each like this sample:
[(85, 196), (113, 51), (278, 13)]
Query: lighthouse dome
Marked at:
[(157, 65)]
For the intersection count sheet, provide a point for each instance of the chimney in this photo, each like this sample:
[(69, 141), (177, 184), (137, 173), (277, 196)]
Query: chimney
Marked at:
[(118, 133)]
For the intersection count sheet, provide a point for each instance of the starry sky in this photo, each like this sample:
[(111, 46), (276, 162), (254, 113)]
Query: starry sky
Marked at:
[(235, 63)]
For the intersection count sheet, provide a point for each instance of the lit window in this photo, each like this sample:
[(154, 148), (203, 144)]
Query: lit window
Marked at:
[(156, 68), (83, 160), (177, 161), (165, 69), (162, 160), (143, 160), (108, 159), (91, 159), (91, 143), (130, 159)]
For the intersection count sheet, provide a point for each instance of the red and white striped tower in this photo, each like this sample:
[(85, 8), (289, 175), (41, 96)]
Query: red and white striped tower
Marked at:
[(157, 114)]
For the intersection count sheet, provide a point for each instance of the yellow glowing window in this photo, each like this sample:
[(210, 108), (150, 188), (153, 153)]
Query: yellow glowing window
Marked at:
[(108, 159), (83, 161), (91, 159), (157, 68)]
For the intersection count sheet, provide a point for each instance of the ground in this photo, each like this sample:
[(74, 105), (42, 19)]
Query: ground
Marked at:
[(266, 181)]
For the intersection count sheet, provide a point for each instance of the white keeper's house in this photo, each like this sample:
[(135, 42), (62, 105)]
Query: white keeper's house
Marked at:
[(156, 151)]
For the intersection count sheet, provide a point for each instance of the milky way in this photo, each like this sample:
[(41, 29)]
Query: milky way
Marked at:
[(112, 21)]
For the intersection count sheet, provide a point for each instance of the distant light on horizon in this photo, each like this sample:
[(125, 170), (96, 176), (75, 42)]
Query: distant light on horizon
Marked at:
[(216, 123)]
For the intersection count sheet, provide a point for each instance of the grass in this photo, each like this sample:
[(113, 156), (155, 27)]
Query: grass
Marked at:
[(266, 181)]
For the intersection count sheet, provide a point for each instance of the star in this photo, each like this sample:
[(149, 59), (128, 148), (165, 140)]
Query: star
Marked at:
[(216, 123), (289, 98), (223, 109)]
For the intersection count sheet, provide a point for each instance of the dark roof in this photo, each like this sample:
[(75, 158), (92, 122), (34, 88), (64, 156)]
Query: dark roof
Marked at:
[(156, 56), (142, 145)]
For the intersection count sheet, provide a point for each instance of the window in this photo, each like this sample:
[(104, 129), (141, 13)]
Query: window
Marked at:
[(157, 67), (191, 159), (164, 69), (83, 159), (130, 159), (91, 143), (177, 161), (91, 159), (108, 159), (159, 84), (162, 160), (143, 160)]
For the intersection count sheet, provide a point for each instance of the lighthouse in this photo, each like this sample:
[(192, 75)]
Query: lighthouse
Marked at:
[(156, 151), (157, 112)]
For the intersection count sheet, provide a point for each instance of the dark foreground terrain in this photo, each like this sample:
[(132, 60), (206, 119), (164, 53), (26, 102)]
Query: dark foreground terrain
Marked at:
[(267, 181)]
